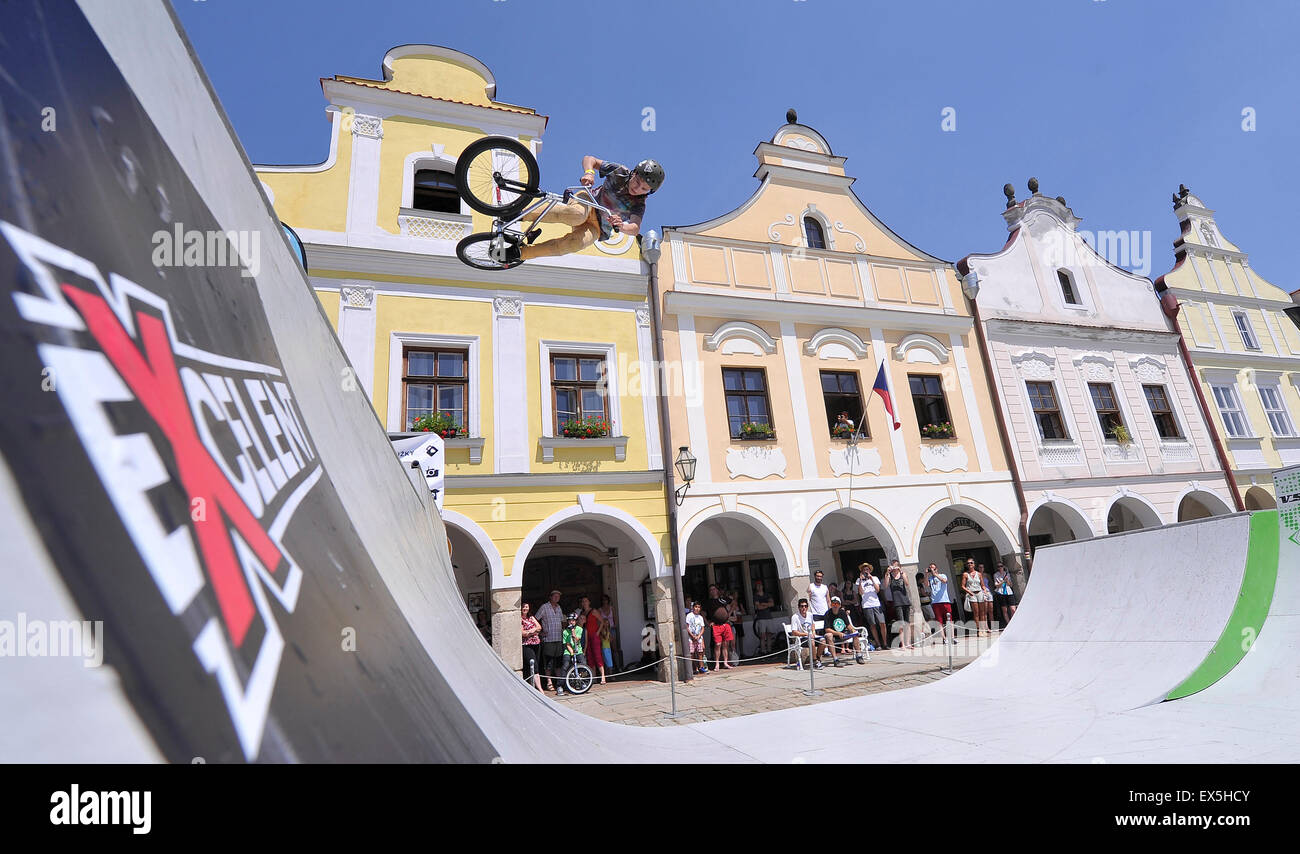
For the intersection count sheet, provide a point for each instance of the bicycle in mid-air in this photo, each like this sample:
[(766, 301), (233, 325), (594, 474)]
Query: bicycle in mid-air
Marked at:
[(498, 176)]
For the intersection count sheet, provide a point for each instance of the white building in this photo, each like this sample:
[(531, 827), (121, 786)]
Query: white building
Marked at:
[(1107, 431)]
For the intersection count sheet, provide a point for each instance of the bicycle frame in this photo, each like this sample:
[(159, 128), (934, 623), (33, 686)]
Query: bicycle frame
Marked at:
[(546, 201)]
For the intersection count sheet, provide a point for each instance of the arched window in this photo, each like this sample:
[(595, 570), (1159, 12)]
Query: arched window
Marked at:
[(1067, 287), (435, 190), (812, 230)]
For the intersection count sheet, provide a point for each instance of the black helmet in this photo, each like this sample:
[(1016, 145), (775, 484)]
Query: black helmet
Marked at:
[(651, 172)]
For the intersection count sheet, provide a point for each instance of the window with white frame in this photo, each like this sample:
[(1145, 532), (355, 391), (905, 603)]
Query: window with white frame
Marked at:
[(1248, 339), (1279, 420), (1047, 411), (1225, 397)]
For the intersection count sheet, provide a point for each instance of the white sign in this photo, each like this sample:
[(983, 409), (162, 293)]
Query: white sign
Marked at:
[(424, 455)]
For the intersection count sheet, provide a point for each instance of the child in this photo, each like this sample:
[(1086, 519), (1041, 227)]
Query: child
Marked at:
[(695, 628), (572, 637)]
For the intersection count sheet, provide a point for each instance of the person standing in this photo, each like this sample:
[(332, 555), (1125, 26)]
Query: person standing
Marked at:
[(531, 630), (1004, 595), (552, 620), (763, 605), (819, 596), (736, 616), (903, 608), (873, 614), (986, 599), (607, 631), (720, 617), (974, 590), (940, 600), (923, 590), (589, 619), (695, 629)]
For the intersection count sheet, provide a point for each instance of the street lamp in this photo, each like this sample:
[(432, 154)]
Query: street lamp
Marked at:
[(686, 469)]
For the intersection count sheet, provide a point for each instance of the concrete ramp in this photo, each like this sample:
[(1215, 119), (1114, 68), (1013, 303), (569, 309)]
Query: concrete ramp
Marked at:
[(183, 463)]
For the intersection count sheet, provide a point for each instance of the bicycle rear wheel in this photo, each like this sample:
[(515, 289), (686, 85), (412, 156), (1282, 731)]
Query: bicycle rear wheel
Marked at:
[(579, 679), (497, 175), (480, 250)]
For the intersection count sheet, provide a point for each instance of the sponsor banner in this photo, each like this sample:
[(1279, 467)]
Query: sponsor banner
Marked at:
[(424, 457), (1286, 485), (161, 451)]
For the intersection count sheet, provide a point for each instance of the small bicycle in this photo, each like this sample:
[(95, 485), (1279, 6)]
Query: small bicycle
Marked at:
[(498, 176), (578, 678)]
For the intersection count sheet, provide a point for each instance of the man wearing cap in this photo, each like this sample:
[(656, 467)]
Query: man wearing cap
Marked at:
[(552, 620), (839, 631)]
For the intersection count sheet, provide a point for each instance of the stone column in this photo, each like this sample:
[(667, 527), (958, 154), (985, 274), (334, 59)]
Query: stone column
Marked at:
[(918, 616), (793, 589), (667, 625), (507, 633), (1016, 567)]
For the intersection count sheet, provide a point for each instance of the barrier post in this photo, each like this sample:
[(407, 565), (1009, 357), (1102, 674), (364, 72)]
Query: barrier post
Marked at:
[(672, 676), (813, 658)]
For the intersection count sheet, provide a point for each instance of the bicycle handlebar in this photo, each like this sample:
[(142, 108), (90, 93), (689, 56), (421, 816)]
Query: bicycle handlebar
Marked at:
[(591, 203)]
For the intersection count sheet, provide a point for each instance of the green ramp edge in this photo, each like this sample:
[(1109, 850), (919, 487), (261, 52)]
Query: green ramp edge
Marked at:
[(1248, 616)]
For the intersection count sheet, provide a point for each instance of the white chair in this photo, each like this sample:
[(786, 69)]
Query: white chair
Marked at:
[(793, 648)]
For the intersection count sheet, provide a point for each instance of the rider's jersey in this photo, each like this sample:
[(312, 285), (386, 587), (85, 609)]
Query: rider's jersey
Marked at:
[(613, 194)]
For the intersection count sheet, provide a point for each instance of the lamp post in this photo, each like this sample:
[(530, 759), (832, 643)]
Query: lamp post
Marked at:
[(686, 468), (650, 252)]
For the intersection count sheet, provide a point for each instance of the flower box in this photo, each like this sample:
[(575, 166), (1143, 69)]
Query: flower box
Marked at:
[(756, 430), (942, 430), (585, 428), (441, 423)]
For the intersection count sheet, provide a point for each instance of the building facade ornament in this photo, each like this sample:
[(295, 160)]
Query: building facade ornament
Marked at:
[(358, 296), (371, 127), (507, 306)]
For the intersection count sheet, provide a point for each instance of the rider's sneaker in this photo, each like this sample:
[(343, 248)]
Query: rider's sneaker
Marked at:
[(859, 660)]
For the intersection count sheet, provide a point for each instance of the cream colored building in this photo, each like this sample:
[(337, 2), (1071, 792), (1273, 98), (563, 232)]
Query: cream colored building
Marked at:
[(1245, 349), (1108, 433), (526, 509), (781, 312)]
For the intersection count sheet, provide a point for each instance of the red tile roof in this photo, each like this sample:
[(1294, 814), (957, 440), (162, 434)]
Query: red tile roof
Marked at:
[(493, 106)]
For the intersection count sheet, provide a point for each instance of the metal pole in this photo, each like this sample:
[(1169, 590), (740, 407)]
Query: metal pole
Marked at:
[(672, 675), (812, 665)]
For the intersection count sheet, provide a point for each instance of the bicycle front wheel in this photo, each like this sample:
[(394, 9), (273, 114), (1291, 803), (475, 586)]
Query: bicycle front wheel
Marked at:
[(484, 251), (497, 175), (579, 679)]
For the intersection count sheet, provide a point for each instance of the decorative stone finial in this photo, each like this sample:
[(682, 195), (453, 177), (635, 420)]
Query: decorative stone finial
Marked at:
[(1010, 192), (791, 117), (1033, 186)]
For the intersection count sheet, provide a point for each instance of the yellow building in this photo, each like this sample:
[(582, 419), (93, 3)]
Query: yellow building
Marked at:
[(782, 313), (506, 355), (1244, 347)]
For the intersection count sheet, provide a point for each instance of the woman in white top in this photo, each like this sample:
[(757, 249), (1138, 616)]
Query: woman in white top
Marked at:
[(973, 586)]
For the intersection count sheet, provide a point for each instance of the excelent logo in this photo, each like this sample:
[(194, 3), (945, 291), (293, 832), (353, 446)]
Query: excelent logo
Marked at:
[(225, 433)]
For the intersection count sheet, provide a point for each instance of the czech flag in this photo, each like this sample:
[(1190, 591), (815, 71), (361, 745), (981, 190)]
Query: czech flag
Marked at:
[(882, 388)]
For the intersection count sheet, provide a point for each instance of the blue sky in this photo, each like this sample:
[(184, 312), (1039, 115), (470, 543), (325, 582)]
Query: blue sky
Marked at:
[(1110, 103)]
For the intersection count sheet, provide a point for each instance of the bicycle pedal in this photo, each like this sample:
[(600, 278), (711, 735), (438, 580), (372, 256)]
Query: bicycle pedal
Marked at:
[(533, 235), (567, 195)]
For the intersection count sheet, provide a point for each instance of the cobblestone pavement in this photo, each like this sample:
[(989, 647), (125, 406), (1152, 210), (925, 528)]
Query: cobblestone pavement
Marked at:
[(762, 687)]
